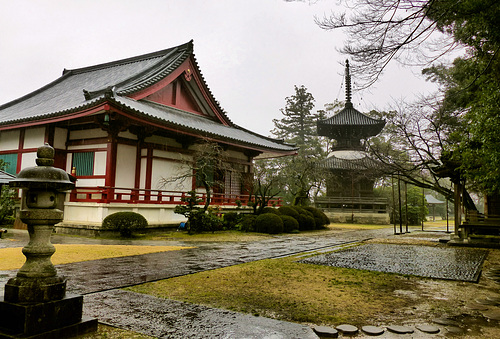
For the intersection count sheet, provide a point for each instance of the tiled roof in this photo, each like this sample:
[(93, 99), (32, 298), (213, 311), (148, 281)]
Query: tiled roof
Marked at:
[(349, 117), (186, 121), (83, 88), (6, 177), (349, 160)]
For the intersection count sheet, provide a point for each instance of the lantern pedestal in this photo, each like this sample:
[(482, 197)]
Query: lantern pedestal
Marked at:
[(35, 304), (51, 319)]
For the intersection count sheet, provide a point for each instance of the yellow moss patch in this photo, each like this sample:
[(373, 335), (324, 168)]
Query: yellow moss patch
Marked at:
[(13, 258)]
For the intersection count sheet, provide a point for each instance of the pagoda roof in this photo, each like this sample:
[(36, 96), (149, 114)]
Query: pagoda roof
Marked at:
[(349, 121), (350, 160), (130, 84), (350, 117)]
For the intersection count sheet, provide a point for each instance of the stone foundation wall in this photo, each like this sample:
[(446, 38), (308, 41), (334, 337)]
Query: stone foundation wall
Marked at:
[(359, 218)]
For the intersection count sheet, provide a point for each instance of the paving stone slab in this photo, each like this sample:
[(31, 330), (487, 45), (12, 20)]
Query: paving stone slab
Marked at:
[(400, 329), (457, 263), (164, 318)]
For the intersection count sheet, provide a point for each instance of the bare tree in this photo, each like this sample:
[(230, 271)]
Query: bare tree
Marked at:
[(379, 31)]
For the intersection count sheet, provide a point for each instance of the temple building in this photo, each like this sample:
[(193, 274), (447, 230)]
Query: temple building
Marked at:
[(352, 172), (122, 127)]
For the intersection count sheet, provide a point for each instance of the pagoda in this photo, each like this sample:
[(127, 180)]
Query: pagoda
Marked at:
[(352, 172)]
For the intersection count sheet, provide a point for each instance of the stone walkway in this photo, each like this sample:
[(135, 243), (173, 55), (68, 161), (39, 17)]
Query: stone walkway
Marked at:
[(100, 282)]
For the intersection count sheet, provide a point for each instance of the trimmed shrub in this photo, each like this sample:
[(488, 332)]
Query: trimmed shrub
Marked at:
[(199, 221), (125, 222), (305, 219), (269, 223), (247, 223), (290, 224), (230, 220), (290, 211), (320, 218), (269, 209), (306, 222)]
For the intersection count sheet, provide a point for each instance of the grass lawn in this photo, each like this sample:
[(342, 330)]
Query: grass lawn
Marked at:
[(287, 290), (12, 258)]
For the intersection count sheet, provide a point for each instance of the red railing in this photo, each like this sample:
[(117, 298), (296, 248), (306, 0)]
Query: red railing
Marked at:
[(145, 196)]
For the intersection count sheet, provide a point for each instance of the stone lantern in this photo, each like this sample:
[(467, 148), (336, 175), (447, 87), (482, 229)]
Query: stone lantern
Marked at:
[(35, 301)]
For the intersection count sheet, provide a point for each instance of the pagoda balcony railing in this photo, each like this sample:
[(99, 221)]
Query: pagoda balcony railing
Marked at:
[(102, 194), (350, 204)]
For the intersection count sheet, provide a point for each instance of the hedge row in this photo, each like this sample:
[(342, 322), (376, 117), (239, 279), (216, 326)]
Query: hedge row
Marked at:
[(287, 219)]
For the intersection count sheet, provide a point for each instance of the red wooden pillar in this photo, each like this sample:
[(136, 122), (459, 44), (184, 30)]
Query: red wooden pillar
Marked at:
[(110, 178), (149, 172), (20, 150)]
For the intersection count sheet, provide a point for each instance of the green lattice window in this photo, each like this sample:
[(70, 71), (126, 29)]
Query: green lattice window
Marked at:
[(10, 162), (84, 163)]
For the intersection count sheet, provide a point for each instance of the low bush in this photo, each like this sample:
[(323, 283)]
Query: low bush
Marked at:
[(290, 211), (125, 222), (306, 222), (269, 209), (269, 223), (200, 221), (305, 219), (290, 224), (230, 220), (247, 223), (320, 218)]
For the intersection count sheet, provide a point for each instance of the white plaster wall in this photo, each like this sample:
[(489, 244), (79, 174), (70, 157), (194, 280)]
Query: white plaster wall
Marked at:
[(28, 160), (34, 137), (9, 140), (100, 163), (87, 134), (90, 182), (94, 213), (125, 166), (163, 168), (60, 135), (142, 183)]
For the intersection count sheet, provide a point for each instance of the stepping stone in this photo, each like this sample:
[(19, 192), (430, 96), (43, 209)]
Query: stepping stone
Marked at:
[(372, 330), (428, 328), (486, 302), (494, 298), (446, 322), (400, 329), (476, 307), (454, 330), (347, 329), (326, 332), (493, 315)]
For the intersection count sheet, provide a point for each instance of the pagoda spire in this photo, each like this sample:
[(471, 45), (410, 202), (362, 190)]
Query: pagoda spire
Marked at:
[(348, 95)]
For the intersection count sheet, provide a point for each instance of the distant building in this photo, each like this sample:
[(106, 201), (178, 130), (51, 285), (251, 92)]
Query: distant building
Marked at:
[(122, 126), (349, 187)]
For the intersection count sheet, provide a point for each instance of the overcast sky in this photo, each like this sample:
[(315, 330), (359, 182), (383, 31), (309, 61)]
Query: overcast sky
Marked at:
[(251, 52)]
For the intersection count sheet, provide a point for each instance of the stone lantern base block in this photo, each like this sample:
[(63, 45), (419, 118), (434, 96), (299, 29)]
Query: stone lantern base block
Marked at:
[(52, 319), (21, 289)]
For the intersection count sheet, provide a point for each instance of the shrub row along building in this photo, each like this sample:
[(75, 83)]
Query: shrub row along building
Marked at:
[(122, 127)]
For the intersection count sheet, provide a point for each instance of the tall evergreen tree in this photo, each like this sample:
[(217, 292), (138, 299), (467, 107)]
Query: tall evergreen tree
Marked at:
[(298, 125), (299, 175)]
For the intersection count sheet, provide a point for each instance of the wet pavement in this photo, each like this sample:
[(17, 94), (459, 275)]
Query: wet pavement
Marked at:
[(99, 281), (453, 263)]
